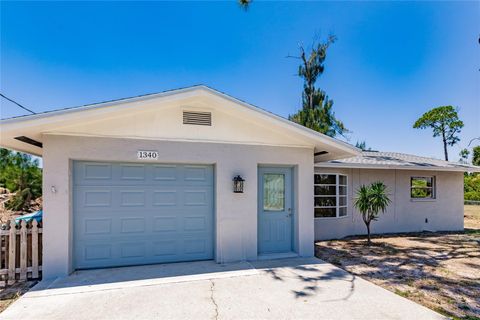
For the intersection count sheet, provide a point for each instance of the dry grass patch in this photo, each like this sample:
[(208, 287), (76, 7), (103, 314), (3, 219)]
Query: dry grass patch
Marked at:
[(11, 293), (438, 270), (472, 217)]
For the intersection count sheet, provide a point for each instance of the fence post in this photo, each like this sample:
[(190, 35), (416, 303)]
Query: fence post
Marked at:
[(23, 250), (12, 252), (1, 252), (34, 249)]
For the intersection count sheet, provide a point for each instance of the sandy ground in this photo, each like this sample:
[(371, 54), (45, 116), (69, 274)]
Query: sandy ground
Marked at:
[(10, 294), (439, 271), (472, 217)]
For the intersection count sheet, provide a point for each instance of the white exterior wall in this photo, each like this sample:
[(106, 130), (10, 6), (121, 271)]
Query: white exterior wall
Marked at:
[(235, 214), (444, 213)]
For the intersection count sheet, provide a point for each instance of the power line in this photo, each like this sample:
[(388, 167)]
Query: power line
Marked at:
[(15, 102)]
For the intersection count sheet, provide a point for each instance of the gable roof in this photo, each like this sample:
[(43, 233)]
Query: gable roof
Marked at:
[(395, 160), (101, 104), (33, 126)]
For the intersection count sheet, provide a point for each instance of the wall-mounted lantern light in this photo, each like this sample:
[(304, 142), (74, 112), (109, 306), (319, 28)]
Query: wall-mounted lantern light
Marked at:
[(238, 184)]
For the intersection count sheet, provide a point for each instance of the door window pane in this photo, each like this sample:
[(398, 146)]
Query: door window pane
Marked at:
[(273, 192)]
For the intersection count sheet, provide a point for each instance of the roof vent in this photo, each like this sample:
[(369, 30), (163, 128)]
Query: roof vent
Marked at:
[(197, 118)]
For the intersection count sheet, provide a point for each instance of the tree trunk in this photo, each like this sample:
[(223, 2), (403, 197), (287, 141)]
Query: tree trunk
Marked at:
[(445, 145), (369, 242)]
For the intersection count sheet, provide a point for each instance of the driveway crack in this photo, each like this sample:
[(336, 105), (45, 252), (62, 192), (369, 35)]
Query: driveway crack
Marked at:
[(212, 288)]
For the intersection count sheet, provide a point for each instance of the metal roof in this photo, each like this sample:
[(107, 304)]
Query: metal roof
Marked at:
[(396, 160)]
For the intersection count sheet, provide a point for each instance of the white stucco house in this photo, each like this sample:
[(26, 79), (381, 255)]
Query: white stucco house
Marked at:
[(150, 179)]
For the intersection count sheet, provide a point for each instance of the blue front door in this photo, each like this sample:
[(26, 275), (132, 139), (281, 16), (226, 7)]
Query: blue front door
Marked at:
[(275, 213)]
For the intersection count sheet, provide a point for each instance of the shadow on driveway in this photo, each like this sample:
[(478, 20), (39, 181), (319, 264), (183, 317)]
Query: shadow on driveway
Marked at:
[(293, 288)]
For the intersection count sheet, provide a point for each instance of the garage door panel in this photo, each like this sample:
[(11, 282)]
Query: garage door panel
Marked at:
[(165, 248), (96, 226), (132, 225), (123, 198), (127, 214), (95, 252), (100, 223), (165, 224), (195, 246), (96, 171), (133, 250), (164, 173), (132, 172), (143, 174), (166, 197), (132, 198), (95, 198)]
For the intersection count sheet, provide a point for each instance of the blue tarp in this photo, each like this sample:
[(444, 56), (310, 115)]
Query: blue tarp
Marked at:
[(29, 217)]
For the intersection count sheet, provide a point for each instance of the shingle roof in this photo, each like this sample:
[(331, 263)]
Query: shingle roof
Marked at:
[(376, 159)]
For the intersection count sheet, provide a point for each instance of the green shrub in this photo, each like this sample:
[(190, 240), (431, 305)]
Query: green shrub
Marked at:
[(472, 187), (472, 195), (20, 173), (20, 201)]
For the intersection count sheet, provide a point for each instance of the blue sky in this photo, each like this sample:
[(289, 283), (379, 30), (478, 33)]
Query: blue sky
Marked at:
[(392, 61)]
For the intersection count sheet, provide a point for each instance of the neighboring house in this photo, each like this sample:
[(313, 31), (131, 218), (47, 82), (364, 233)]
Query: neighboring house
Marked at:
[(150, 180)]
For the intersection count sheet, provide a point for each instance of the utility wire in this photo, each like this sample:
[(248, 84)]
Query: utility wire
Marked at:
[(15, 102)]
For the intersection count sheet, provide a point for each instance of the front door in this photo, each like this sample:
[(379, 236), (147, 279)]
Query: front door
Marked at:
[(275, 213)]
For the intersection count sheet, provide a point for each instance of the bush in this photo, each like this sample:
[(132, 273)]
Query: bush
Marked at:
[(472, 187), (20, 201), (472, 195), (20, 174)]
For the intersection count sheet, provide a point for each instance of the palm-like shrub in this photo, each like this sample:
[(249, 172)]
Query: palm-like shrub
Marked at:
[(370, 201)]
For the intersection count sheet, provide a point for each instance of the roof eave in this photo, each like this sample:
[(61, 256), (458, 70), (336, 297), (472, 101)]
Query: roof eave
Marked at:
[(394, 167), (348, 149), (345, 149)]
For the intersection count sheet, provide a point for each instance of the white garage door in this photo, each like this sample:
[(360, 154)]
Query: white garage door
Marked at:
[(131, 214)]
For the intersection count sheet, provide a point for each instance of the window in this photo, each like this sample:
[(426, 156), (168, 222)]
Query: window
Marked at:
[(330, 195), (273, 192), (422, 187)]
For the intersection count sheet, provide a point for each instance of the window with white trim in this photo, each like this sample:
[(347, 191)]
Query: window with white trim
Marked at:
[(422, 187), (330, 195)]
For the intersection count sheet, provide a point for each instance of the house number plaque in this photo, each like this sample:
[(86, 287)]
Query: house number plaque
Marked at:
[(147, 155)]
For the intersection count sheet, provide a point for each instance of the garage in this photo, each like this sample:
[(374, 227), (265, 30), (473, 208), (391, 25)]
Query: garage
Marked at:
[(138, 213)]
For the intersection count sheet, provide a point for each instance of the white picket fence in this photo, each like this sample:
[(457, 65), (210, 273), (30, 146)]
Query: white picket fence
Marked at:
[(20, 252)]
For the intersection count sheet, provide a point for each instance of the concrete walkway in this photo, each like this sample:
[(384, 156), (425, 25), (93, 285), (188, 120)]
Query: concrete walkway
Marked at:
[(274, 289)]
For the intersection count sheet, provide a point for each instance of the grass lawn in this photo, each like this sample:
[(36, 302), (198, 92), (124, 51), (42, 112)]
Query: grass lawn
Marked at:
[(438, 270)]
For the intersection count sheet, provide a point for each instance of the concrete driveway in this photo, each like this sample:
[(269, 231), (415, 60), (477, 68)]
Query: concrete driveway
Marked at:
[(274, 289)]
